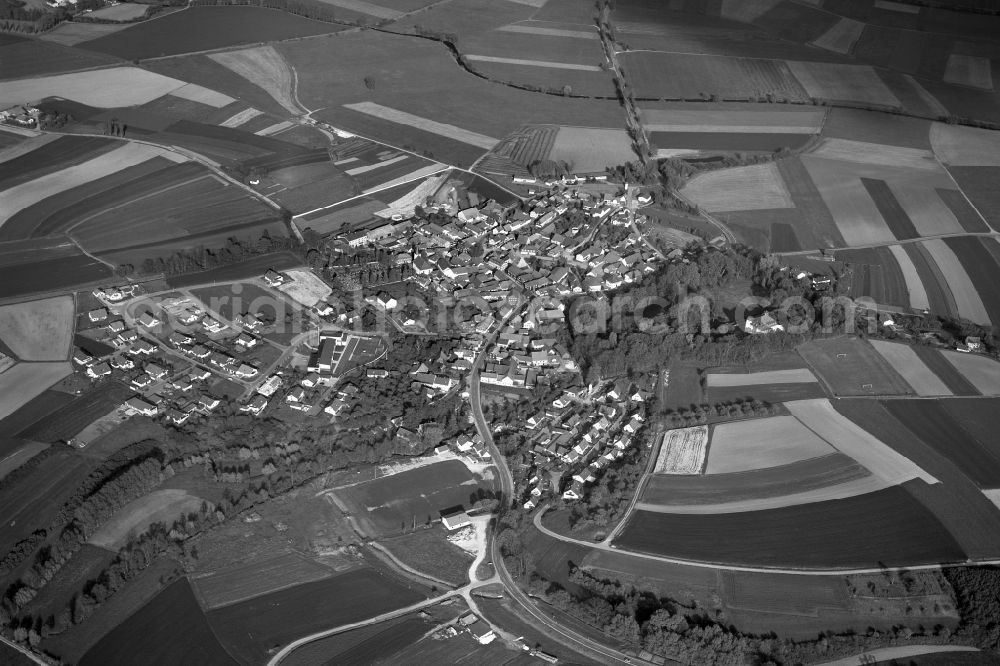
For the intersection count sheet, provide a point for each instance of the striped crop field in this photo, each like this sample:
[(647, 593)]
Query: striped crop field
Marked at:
[(912, 368)]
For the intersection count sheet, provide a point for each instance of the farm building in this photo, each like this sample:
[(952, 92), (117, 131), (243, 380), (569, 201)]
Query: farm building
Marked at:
[(765, 323), (455, 520)]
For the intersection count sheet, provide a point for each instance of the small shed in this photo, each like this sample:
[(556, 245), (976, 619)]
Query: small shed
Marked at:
[(455, 520)]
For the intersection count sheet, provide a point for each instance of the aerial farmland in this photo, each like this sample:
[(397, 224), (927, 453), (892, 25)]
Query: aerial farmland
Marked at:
[(499, 331)]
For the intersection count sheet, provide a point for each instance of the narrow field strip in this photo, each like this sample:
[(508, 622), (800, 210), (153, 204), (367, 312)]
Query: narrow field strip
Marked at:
[(241, 118), (26, 194), (900, 7), (196, 93), (366, 8), (981, 372), (878, 154), (906, 362), (377, 165), (790, 376), (918, 295), (809, 121), (970, 305), (275, 128), (425, 124), (821, 418), (970, 71), (842, 37), (534, 63), (867, 484), (548, 32)]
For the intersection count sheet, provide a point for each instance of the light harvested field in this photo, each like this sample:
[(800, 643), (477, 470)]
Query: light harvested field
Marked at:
[(38, 330), (867, 483), (368, 8), (71, 33), (957, 145), (968, 70), (548, 32), (789, 376), (877, 154), (849, 366), (27, 194), (760, 443), (22, 455), (534, 63), (755, 187), (275, 128), (842, 37), (305, 287), (682, 451), (264, 67), (732, 121), (104, 88), (855, 83), (164, 506), (856, 216), (125, 11), (252, 579), (918, 196), (425, 124), (196, 93), (21, 383), (590, 150), (852, 440), (914, 285), (911, 367), (244, 116), (981, 372), (970, 305)]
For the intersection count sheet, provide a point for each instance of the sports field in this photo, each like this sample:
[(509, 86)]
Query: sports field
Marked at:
[(887, 527), (909, 365), (756, 187), (38, 330), (159, 506), (761, 443), (849, 366)]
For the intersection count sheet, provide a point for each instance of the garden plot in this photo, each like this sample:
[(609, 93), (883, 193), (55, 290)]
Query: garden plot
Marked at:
[(425, 124), (967, 299), (756, 187), (104, 88), (981, 372), (305, 287), (761, 443), (38, 330), (855, 83), (590, 150), (968, 70), (264, 67), (705, 118), (789, 376), (957, 145), (842, 37), (911, 367), (682, 451), (821, 418), (32, 192)]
